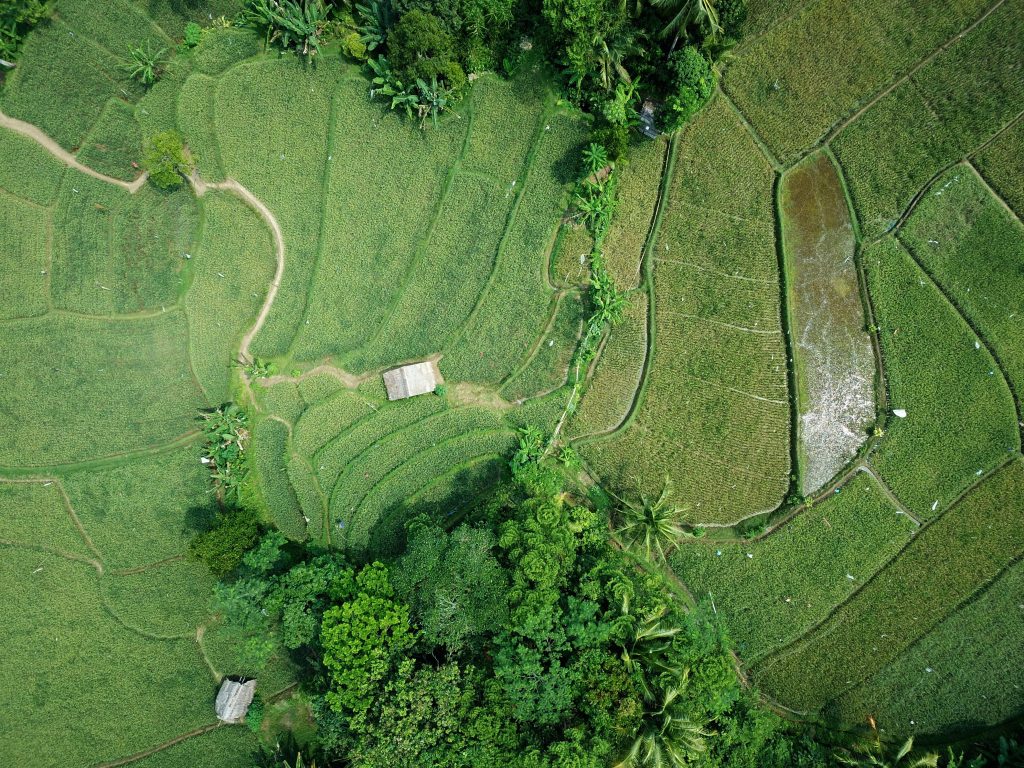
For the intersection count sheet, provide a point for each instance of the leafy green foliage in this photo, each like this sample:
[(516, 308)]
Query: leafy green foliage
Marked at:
[(692, 81), (652, 526), (17, 18), (294, 24), (235, 530), (146, 64), (226, 432), (165, 160), (193, 35)]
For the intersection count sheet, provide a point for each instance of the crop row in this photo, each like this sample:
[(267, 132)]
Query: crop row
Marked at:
[(24, 231), (617, 374), (1002, 165), (933, 686), (945, 564), (168, 600), (810, 71), (548, 369), (951, 106), (32, 514), (770, 592), (955, 222), (513, 310), (324, 420), (27, 170), (270, 449), (714, 418), (377, 523), (959, 415), (637, 196), (231, 270)]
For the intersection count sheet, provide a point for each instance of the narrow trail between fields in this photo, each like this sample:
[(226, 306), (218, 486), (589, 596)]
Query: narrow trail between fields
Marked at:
[(200, 187), (30, 131)]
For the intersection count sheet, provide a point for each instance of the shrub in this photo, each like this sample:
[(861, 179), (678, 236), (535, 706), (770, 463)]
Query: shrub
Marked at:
[(731, 15), (17, 17), (692, 82), (235, 531), (145, 65), (296, 24), (193, 34), (353, 46), (422, 49), (614, 139), (165, 159)]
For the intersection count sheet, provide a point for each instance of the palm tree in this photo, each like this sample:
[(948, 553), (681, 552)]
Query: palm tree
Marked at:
[(652, 526), (667, 738), (872, 755), (687, 12)]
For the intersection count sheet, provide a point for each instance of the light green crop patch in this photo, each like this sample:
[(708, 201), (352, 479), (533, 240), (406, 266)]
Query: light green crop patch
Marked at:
[(168, 600), (33, 515), (960, 419), (24, 235), (770, 592)]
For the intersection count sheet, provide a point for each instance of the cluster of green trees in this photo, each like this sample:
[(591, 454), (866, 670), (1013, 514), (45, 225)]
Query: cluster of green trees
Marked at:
[(522, 637), (613, 54), (17, 18)]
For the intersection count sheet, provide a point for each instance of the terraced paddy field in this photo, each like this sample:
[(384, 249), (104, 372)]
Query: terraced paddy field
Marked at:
[(822, 351)]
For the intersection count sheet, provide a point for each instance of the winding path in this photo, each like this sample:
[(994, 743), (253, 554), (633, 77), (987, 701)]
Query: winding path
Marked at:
[(200, 187)]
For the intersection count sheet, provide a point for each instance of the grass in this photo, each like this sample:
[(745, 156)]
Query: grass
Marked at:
[(121, 25), (33, 515), (24, 231), (81, 392), (945, 564), (800, 572), (115, 253), (377, 524), (1002, 165), (946, 110), (227, 747), (219, 49), (144, 511), (570, 266), (63, 82), (637, 195), (399, 447), (934, 684), (283, 399), (283, 164), (270, 441), (232, 267), (65, 676), (548, 368), (114, 143), (330, 461), (714, 416), (168, 600), (617, 375), (815, 68), (327, 418), (27, 170), (195, 120), (956, 221), (432, 306), (512, 312), (835, 363), (960, 414), (312, 503)]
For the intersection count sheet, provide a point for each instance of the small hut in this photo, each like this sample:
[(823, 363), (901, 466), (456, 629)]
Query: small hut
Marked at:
[(233, 700), (647, 126), (411, 380)]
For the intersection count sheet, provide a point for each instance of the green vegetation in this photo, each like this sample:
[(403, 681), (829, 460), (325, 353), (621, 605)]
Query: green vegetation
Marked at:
[(1000, 164), (960, 420), (948, 109), (716, 396), (958, 219), (773, 590), (165, 160), (17, 18), (944, 565)]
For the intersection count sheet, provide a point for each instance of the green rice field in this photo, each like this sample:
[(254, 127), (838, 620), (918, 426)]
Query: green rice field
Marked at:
[(822, 351)]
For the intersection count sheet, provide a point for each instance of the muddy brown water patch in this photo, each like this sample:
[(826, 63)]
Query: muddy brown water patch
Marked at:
[(833, 357)]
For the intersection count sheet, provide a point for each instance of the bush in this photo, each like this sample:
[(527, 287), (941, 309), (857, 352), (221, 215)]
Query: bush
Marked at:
[(421, 48), (614, 139), (193, 34), (17, 17), (692, 82), (731, 15), (165, 159), (235, 531)]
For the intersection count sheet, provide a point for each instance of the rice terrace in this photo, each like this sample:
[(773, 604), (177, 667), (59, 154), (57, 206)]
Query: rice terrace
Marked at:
[(489, 383)]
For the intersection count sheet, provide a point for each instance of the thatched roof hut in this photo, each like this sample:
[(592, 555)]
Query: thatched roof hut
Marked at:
[(233, 700), (412, 380)]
